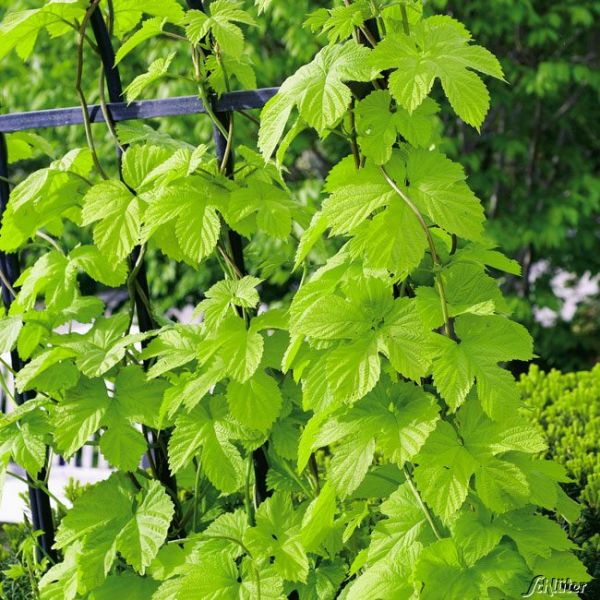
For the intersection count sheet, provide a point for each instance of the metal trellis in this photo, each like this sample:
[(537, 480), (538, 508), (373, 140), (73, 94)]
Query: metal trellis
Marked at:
[(118, 111)]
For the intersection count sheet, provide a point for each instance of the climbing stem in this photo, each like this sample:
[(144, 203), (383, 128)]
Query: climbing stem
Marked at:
[(6, 283), (448, 328), (80, 93), (424, 508), (228, 146), (405, 24), (353, 142), (196, 56), (248, 504), (34, 483), (105, 112)]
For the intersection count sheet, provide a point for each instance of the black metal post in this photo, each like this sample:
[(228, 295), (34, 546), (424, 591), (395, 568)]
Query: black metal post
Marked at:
[(259, 456), (41, 512), (145, 320)]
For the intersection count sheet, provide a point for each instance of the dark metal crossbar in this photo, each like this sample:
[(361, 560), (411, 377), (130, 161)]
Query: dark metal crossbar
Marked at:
[(145, 109)]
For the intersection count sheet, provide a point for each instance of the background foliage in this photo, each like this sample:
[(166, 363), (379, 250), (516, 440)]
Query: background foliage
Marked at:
[(566, 408)]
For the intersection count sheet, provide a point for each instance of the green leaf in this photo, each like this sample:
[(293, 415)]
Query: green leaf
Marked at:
[(311, 235), (317, 522), (332, 318), (444, 470), (497, 391), (560, 563), (219, 20), (79, 415), (392, 239), (19, 29), (113, 516), (240, 350), (52, 370), (399, 536), (117, 217), (157, 70), (467, 290), (440, 567), (255, 403), (524, 527), (61, 580), (138, 398), (476, 534), (501, 485), (438, 188), (407, 426), (353, 369), (191, 205), (173, 347), (492, 338), (103, 346), (52, 275), (375, 126), (90, 260), (106, 505), (277, 536), (139, 541), (452, 372), (148, 166), (226, 294), (270, 205), (10, 327), (43, 198), (318, 90), (25, 439), (323, 582), (199, 385), (378, 127), (136, 401), (129, 12), (339, 22), (149, 29), (385, 581), (438, 48), (128, 584), (418, 127), (273, 120), (204, 431), (406, 341), (355, 199), (121, 444), (227, 68), (351, 461), (22, 145)]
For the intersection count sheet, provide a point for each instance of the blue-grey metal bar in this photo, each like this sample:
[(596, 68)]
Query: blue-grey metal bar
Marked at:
[(145, 109)]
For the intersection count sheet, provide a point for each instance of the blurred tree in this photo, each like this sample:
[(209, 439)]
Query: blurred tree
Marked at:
[(537, 164)]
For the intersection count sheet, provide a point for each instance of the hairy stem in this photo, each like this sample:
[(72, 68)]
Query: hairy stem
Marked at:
[(448, 327), (105, 112), (405, 24), (424, 508), (80, 93), (353, 142), (6, 283), (39, 485)]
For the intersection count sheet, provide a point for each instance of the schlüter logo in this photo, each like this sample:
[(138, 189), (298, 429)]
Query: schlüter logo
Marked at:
[(543, 585)]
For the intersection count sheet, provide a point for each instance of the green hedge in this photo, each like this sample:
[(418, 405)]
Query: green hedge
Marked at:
[(566, 407)]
